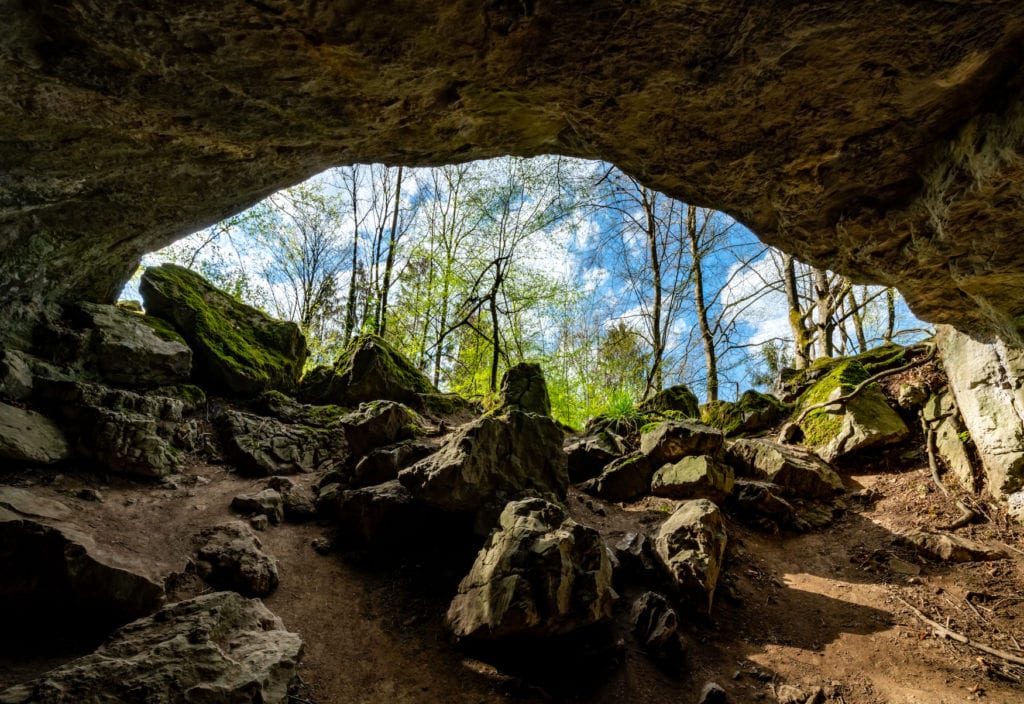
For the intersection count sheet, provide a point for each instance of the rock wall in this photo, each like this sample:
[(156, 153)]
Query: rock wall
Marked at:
[(881, 139)]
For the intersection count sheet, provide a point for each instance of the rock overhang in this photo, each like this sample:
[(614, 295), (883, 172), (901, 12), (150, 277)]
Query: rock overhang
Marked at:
[(882, 140)]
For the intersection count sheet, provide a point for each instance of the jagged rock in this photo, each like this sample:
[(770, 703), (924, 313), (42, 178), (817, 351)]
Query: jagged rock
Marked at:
[(947, 547), (865, 421), (634, 554), (15, 375), (671, 441), (218, 647), (448, 404), (985, 379), (376, 424), (268, 502), (523, 388), (237, 349), (491, 460), (27, 436), (656, 625), (675, 399), (589, 455), (54, 572), (759, 503), (695, 477), (941, 414), (713, 694), (625, 479), (368, 370), (752, 412), (130, 349), (383, 464), (264, 446), (380, 516), (299, 504), (229, 556), (540, 574), (1015, 506), (691, 545), (788, 694), (800, 472)]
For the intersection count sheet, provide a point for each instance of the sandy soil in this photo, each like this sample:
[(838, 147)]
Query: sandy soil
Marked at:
[(824, 609)]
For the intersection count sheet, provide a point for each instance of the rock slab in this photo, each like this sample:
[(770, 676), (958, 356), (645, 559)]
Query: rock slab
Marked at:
[(691, 546)]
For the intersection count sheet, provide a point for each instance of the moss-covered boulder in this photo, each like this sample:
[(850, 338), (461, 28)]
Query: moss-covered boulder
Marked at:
[(368, 370), (677, 398), (865, 421), (797, 471), (624, 479), (751, 413), (237, 349), (695, 477), (523, 387), (673, 440)]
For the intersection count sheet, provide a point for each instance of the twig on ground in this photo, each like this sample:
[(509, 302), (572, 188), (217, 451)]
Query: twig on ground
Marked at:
[(953, 635)]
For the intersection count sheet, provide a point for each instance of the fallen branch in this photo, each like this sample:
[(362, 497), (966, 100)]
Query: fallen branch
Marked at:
[(947, 633), (867, 382), (933, 464), (966, 516)]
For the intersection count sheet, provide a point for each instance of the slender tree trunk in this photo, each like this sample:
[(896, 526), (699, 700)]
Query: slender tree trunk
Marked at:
[(857, 313), (890, 307), (826, 308), (382, 310), (801, 335), (496, 344), (654, 379), (707, 338), (350, 305)]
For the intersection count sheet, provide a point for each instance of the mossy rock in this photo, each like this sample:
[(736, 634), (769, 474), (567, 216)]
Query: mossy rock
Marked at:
[(823, 425), (238, 349), (676, 398), (368, 370), (752, 413)]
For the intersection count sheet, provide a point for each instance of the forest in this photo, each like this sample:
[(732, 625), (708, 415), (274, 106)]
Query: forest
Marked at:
[(615, 289)]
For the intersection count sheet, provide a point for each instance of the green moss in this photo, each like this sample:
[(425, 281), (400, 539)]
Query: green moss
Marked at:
[(823, 425), (164, 330), (241, 345), (676, 398), (881, 358)]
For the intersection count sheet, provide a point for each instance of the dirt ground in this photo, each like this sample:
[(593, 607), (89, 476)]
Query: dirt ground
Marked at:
[(828, 609)]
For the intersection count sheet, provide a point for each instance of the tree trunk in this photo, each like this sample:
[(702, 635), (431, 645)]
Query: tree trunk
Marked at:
[(350, 305), (857, 312), (826, 308), (801, 335), (382, 310), (890, 306), (654, 378), (707, 338)]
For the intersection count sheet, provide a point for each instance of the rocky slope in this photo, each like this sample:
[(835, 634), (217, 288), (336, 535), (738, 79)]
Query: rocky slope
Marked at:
[(883, 140)]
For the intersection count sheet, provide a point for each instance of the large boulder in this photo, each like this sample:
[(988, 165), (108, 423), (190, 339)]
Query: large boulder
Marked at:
[(800, 472), (219, 647), (238, 350), (987, 380), (690, 545), (655, 624), (759, 503), (131, 349), (377, 424), (752, 412), (264, 446), (383, 516), (15, 375), (587, 456), (865, 421), (27, 436), (624, 479), (230, 556), (671, 441), (675, 400), (695, 477), (951, 437), (523, 387), (540, 574), (53, 572), (490, 460), (368, 370)]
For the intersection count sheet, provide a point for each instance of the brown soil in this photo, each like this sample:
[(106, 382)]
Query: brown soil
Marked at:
[(816, 610)]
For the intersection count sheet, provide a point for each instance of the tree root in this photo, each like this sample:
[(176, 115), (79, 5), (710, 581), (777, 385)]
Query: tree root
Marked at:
[(953, 635)]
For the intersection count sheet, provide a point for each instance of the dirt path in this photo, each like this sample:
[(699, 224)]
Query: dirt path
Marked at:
[(816, 610)]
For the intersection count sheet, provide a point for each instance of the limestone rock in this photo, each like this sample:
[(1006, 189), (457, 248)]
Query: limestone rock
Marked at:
[(376, 424), (941, 413), (264, 446), (380, 516), (634, 554), (759, 503), (383, 464), (53, 571), (656, 625), (691, 546), (492, 459), (1015, 506), (540, 574), (948, 547), (752, 412), (694, 477), (229, 556), (523, 387), (624, 479), (299, 504), (15, 375), (865, 421), (800, 472), (237, 349), (27, 436), (129, 349), (219, 647), (675, 399), (671, 441), (368, 370), (987, 380), (268, 502), (589, 455)]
